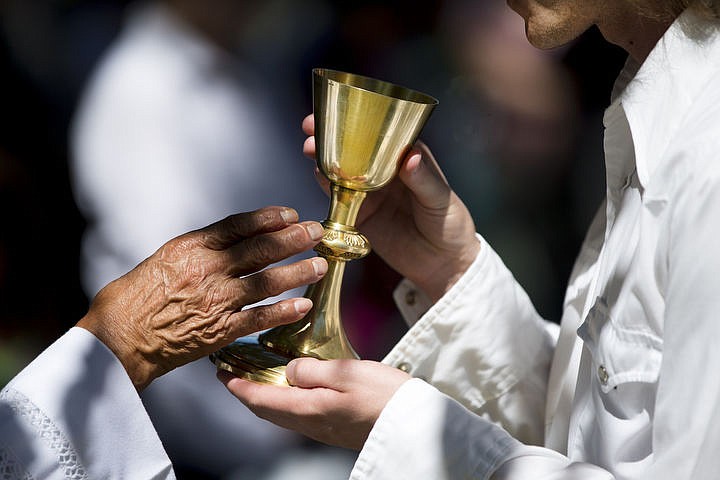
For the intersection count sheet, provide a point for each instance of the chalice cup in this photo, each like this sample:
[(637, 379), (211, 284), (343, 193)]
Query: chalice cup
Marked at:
[(363, 129)]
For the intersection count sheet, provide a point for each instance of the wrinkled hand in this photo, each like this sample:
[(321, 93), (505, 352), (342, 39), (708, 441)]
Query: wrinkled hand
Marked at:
[(333, 401), (186, 300), (417, 224)]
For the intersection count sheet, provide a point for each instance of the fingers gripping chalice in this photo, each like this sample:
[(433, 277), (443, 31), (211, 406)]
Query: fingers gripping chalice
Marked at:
[(363, 130)]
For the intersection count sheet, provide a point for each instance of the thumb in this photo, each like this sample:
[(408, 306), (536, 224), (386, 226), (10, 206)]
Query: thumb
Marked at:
[(305, 372), (422, 175), (309, 372)]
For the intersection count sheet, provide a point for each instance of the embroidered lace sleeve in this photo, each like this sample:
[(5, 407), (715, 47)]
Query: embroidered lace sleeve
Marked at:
[(31, 437), (73, 413)]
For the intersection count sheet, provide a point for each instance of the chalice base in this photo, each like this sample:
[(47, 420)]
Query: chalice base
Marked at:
[(249, 359)]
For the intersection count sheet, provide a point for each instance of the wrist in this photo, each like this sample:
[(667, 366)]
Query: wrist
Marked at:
[(106, 329), (440, 280)]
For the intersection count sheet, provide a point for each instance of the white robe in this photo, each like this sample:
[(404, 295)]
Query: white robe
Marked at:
[(73, 413)]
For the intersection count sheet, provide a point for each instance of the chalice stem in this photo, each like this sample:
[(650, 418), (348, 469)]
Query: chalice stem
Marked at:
[(344, 206), (321, 334)]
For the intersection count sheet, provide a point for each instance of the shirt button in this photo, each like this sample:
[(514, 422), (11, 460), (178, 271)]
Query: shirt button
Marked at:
[(603, 375), (404, 366), (410, 297)]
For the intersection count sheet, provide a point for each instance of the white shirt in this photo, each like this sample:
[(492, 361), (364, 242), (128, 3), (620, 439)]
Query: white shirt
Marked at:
[(628, 387)]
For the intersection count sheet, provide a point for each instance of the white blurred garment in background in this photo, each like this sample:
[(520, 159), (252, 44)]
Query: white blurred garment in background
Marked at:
[(173, 133)]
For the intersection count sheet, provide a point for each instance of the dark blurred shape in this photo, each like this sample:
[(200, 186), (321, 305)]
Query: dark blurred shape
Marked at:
[(46, 48)]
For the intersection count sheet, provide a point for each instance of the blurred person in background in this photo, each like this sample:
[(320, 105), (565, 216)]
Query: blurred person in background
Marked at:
[(482, 386), (184, 122)]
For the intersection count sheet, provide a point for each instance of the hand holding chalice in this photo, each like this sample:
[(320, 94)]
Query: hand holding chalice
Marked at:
[(363, 129)]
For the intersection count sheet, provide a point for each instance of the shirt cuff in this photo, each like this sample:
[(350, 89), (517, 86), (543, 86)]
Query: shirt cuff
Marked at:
[(443, 439), (413, 303)]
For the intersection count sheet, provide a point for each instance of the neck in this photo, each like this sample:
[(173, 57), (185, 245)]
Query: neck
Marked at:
[(635, 32)]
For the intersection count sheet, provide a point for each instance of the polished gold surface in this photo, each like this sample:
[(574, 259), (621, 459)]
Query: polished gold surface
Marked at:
[(363, 129)]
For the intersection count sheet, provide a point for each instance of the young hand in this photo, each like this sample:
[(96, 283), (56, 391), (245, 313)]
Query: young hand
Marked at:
[(333, 401), (417, 224)]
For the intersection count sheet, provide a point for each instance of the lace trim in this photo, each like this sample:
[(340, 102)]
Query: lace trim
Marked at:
[(11, 468), (52, 436)]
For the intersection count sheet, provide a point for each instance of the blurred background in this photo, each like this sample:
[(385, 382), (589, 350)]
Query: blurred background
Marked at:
[(125, 123)]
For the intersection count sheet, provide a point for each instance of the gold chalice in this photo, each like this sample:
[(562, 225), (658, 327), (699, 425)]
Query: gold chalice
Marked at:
[(363, 129)]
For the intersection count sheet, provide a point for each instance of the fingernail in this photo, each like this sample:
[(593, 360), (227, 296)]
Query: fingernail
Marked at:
[(289, 215), (303, 305), (290, 370), (415, 162), (315, 230), (320, 266)]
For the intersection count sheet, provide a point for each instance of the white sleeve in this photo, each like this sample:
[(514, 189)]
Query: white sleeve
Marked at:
[(487, 354), (74, 413), (423, 433), (482, 344)]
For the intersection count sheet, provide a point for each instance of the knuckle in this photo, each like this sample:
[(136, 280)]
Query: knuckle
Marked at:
[(306, 270), (266, 217), (251, 221), (237, 222), (288, 276), (172, 249), (293, 234), (263, 284), (262, 317), (264, 249), (258, 217), (280, 243)]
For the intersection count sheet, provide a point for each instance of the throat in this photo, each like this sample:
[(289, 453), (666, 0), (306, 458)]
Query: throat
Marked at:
[(635, 33)]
